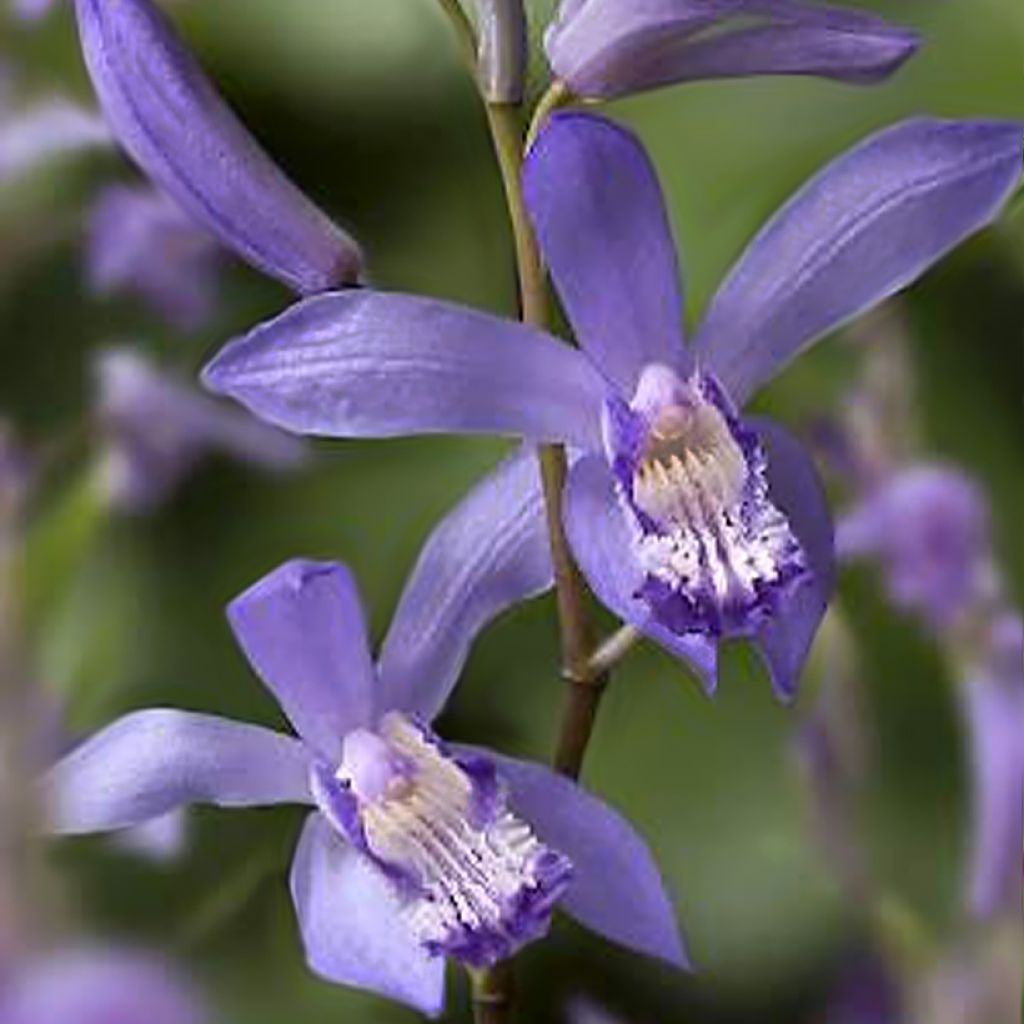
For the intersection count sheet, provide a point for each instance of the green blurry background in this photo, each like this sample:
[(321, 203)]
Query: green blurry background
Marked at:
[(363, 101)]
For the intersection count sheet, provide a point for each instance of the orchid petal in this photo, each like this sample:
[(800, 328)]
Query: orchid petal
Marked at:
[(865, 227), (489, 553), (602, 544), (150, 762), (352, 923), (616, 889), (171, 121), (371, 364), (796, 490), (303, 630), (604, 231)]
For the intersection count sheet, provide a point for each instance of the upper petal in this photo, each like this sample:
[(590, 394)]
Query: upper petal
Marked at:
[(352, 924), (603, 546), (171, 121), (303, 630), (605, 48), (616, 890), (491, 551), (601, 221), (795, 488), (863, 228), (150, 762), (370, 364)]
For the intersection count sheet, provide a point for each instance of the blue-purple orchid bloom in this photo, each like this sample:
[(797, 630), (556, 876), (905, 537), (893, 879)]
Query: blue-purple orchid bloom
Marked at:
[(688, 520), (156, 428), (170, 120), (416, 849), (607, 48)]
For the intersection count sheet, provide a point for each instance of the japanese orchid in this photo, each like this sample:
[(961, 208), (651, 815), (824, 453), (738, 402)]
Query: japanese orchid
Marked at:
[(606, 48), (416, 849), (170, 120), (689, 521)]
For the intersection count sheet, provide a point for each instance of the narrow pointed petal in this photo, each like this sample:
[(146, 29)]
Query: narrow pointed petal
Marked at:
[(170, 120), (303, 630), (868, 225), (607, 48), (604, 231), (352, 924), (370, 364), (602, 544), (796, 490), (490, 552), (151, 762), (616, 890)]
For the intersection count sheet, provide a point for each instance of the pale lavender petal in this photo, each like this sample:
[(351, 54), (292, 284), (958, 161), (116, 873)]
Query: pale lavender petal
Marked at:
[(504, 49), (601, 540), (141, 242), (599, 215), (93, 985), (796, 490), (863, 228), (160, 840), (150, 762), (157, 427), (490, 552), (616, 890), (606, 48), (50, 130), (370, 364), (169, 118), (352, 924), (303, 630)]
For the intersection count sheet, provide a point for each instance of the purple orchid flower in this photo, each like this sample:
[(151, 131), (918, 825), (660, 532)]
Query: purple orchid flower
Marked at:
[(928, 527), (97, 986), (994, 708), (607, 48), (689, 521), (140, 241), (168, 117), (416, 849), (156, 428)]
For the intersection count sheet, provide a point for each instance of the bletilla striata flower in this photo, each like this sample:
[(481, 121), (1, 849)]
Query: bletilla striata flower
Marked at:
[(141, 242), (607, 48), (416, 849), (93, 985), (156, 428), (689, 520), (928, 528), (170, 120)]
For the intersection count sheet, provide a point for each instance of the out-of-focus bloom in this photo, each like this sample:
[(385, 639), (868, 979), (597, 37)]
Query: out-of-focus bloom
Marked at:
[(866, 993), (31, 10), (504, 47), (156, 428), (606, 48), (416, 849), (689, 521), (928, 528), (995, 716), (169, 118), (140, 241), (44, 132), (97, 986), (583, 1010)]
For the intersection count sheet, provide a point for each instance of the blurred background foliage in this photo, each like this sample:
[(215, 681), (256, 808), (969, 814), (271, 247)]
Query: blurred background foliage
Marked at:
[(367, 107)]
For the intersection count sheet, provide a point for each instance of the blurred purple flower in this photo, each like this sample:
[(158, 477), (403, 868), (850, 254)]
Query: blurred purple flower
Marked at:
[(141, 241), (689, 521), (583, 1010), (31, 10), (157, 428), (866, 993), (98, 986), (928, 528), (36, 135), (994, 708), (170, 120), (606, 48), (416, 849)]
